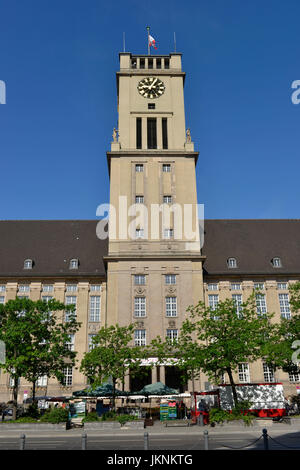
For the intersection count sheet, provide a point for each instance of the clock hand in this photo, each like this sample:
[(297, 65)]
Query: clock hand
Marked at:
[(153, 84)]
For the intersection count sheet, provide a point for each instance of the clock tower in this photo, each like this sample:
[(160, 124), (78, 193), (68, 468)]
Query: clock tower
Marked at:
[(154, 262)]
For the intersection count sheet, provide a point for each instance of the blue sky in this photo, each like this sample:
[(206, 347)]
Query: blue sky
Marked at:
[(59, 58)]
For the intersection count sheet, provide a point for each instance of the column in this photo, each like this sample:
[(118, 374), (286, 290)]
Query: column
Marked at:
[(159, 132), (162, 374), (154, 375), (144, 133)]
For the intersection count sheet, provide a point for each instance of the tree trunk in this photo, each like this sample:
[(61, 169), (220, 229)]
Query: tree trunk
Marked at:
[(235, 398), (114, 394), (33, 391), (15, 397)]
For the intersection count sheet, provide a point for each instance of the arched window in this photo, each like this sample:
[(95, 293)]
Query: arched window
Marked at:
[(28, 263), (74, 263), (231, 263), (276, 262)]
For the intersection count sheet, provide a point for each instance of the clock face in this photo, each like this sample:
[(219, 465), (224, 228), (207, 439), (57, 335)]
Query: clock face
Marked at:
[(151, 87)]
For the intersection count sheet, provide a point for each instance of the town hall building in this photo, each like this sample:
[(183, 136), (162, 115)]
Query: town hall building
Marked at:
[(155, 262)]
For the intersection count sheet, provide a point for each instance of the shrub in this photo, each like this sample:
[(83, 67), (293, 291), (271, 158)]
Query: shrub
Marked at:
[(55, 415), (90, 417), (216, 415), (33, 411)]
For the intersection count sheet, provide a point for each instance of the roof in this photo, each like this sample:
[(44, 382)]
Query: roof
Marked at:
[(254, 243), (51, 244)]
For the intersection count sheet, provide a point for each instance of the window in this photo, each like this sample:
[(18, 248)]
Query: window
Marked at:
[(140, 337), (1, 299), (70, 343), (139, 167), (237, 298), (133, 63), (139, 199), (68, 376), (261, 306), (235, 286), (140, 306), (91, 345), (231, 263), (28, 263), (164, 124), (213, 300), (282, 285), (284, 304), (167, 199), (24, 288), (244, 373), (95, 308), (212, 286), (95, 288), (166, 168), (142, 63), (151, 133), (12, 380), (172, 335), (139, 279), (168, 233), (171, 306), (276, 262), (138, 133), (259, 285), (158, 63), (2, 288), (70, 300), (42, 381), (151, 105), (71, 287), (268, 373), (139, 233), (170, 279), (150, 63), (47, 288), (167, 63), (46, 298), (74, 264), (294, 376)]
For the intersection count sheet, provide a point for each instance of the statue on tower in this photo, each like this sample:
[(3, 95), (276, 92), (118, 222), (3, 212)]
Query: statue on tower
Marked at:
[(115, 135), (188, 136)]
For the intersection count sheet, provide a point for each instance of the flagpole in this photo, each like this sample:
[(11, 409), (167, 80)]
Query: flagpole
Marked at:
[(174, 41), (148, 30), (123, 42)]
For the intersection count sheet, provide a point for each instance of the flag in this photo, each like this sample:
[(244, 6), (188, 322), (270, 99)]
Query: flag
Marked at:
[(152, 42)]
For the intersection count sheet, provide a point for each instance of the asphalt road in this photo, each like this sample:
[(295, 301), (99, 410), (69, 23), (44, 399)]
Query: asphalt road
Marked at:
[(163, 442)]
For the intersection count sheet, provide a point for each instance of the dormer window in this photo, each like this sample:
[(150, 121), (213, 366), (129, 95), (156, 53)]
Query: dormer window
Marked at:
[(74, 263), (28, 263), (231, 263), (276, 262)]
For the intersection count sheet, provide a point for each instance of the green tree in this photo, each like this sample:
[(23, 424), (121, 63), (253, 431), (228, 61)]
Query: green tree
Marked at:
[(283, 351), (216, 340), (35, 340), (112, 356)]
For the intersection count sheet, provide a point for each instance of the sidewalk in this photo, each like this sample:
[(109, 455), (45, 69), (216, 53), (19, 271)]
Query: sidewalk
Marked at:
[(159, 428)]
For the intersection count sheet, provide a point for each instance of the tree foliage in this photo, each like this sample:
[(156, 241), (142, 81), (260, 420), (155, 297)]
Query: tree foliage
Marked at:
[(35, 340)]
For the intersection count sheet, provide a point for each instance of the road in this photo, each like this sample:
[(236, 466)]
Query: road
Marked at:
[(172, 441)]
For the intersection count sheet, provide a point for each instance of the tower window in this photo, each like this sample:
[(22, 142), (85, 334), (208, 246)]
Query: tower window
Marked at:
[(138, 133), (167, 199), (164, 133), (142, 63), (151, 105), (158, 63), (139, 167), (150, 63), (167, 63), (133, 63), (151, 133), (166, 168), (139, 199)]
